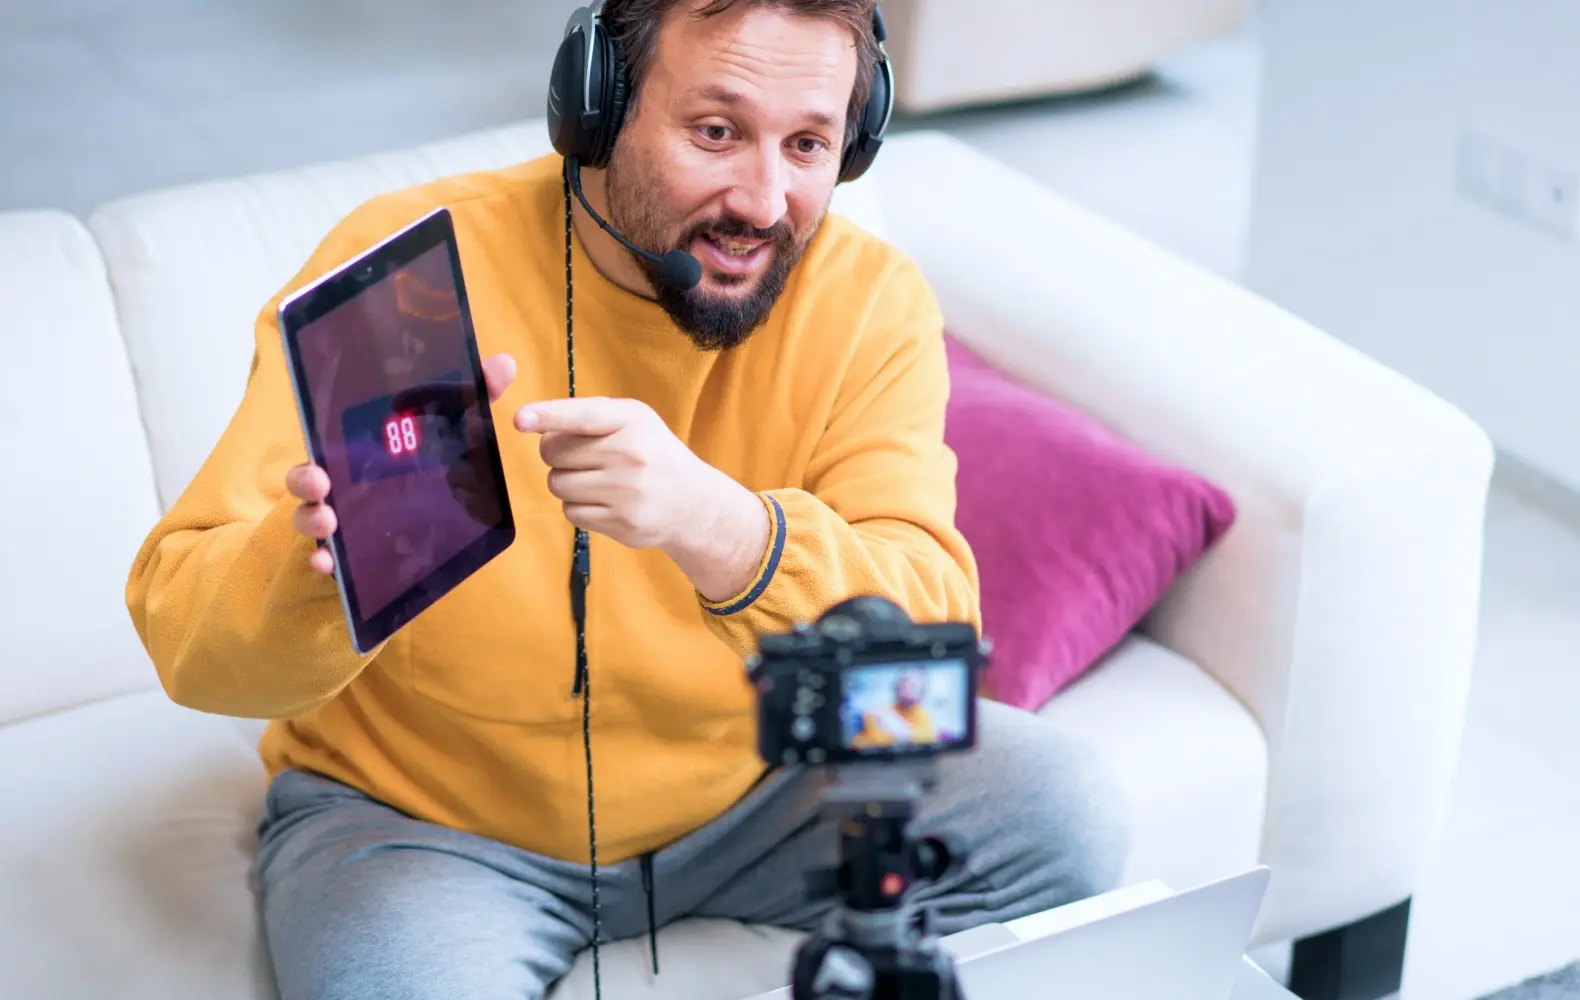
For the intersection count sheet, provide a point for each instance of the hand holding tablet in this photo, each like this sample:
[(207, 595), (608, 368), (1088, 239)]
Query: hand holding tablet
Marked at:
[(310, 483), (404, 485)]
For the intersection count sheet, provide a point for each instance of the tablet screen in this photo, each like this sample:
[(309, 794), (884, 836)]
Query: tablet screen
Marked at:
[(397, 408)]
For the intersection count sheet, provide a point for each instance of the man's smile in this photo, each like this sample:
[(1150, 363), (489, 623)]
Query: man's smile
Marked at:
[(732, 255)]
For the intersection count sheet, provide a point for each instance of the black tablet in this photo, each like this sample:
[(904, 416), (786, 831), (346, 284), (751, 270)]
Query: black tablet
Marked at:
[(389, 384)]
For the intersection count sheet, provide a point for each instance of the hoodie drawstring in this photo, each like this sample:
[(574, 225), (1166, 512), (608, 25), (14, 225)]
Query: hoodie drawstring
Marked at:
[(652, 921)]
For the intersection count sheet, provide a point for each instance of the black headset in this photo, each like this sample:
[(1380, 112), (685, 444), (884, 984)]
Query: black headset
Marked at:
[(589, 90)]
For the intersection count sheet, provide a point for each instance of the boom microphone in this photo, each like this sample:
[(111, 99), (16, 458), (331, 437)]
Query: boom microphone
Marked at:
[(677, 268)]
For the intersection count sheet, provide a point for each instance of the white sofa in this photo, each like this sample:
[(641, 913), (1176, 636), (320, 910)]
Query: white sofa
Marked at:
[(1297, 699), (953, 53)]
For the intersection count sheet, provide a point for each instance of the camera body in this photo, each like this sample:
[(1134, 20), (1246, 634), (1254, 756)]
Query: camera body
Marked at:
[(865, 683)]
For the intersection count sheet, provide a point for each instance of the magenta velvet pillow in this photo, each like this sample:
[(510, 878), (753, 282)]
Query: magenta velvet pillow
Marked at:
[(1077, 532)]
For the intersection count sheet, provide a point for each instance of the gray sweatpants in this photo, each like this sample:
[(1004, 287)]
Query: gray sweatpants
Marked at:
[(360, 900)]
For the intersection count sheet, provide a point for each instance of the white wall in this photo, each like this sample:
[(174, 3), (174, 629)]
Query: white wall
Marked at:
[(1388, 130)]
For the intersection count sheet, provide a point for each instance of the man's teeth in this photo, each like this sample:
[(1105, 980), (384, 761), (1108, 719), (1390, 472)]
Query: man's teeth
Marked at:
[(731, 247)]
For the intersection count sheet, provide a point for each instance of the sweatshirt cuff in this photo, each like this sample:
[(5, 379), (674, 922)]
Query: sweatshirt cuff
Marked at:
[(765, 572)]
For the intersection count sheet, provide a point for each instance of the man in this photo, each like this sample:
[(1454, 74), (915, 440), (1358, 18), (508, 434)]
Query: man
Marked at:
[(744, 455), (903, 719)]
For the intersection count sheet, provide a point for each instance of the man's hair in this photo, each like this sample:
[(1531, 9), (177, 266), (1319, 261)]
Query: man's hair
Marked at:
[(634, 25)]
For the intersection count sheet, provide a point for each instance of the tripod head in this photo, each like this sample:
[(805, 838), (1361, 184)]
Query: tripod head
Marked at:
[(880, 862), (877, 944)]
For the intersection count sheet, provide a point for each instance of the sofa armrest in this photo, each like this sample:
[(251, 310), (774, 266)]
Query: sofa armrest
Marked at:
[(1342, 607)]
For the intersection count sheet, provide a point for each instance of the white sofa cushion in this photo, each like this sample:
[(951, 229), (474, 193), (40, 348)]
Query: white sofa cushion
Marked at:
[(1192, 759), (79, 494), (130, 875), (193, 266), (127, 872)]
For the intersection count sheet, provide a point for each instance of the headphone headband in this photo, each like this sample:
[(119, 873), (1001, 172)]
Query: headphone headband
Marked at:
[(585, 20), (588, 91)]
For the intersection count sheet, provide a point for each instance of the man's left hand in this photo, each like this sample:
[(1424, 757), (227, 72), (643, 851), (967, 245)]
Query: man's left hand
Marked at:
[(619, 470)]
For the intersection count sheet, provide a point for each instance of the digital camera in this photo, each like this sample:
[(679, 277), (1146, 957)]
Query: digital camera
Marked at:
[(866, 683)]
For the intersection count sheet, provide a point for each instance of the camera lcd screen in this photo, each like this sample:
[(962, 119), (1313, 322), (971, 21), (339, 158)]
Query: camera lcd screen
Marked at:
[(906, 707)]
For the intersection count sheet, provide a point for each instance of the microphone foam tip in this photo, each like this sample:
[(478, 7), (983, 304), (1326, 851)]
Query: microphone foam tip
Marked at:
[(680, 269)]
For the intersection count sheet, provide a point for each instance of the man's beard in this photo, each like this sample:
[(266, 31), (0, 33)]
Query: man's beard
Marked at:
[(712, 323)]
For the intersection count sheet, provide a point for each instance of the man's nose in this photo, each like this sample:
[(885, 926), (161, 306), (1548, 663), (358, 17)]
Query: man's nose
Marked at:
[(758, 195)]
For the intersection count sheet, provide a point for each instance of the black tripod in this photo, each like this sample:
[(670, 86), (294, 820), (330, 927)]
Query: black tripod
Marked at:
[(877, 944)]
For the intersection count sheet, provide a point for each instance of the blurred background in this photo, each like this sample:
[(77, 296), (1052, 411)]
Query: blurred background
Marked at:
[(1404, 174)]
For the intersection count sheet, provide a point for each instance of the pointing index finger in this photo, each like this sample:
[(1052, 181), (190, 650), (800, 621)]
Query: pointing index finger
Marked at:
[(592, 416)]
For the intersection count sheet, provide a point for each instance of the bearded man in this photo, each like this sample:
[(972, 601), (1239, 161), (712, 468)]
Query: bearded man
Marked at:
[(744, 448)]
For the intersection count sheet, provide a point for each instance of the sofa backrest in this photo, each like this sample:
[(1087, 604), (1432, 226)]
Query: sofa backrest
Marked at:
[(78, 494), (193, 266)]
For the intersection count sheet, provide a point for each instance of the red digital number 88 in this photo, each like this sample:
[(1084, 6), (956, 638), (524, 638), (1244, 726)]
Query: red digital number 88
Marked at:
[(400, 435)]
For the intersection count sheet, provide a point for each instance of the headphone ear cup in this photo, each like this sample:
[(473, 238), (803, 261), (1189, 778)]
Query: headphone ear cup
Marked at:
[(616, 92), (588, 76), (565, 109), (863, 149)]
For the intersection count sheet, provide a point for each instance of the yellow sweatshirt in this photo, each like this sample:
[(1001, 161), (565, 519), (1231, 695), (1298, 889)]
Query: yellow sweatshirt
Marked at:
[(833, 411)]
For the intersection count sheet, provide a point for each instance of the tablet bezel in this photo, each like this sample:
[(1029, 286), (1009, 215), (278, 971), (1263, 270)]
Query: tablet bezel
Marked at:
[(308, 304)]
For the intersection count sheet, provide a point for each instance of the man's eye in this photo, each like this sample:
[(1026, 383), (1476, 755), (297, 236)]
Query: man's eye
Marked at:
[(715, 133), (809, 146)]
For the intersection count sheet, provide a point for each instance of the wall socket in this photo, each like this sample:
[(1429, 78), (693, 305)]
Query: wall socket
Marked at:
[(1543, 196)]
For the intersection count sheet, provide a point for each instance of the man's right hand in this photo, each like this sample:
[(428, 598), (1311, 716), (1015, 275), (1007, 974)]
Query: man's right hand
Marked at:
[(314, 518), (310, 483)]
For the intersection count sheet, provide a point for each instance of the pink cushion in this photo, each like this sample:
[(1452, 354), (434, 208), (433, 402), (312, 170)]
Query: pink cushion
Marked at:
[(1077, 532)]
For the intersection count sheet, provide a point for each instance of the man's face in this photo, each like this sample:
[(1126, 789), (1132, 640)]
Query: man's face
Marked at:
[(909, 690), (731, 154)]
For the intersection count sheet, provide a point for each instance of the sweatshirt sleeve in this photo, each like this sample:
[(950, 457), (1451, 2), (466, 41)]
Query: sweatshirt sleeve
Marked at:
[(876, 515), (220, 592)]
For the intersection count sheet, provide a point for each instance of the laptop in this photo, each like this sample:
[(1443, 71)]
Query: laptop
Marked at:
[(1170, 946)]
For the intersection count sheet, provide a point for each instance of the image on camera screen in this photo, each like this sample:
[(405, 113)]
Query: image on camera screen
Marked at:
[(905, 705)]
